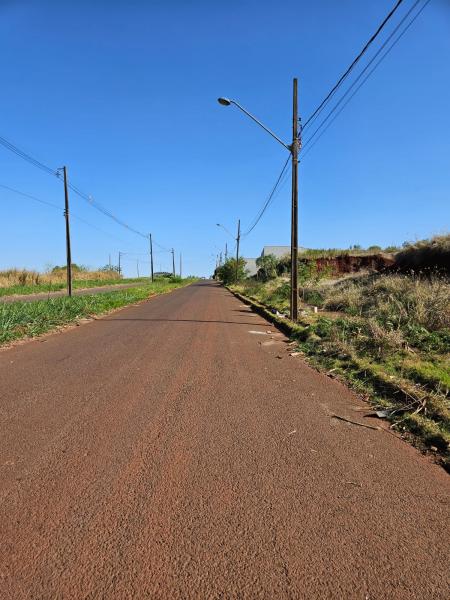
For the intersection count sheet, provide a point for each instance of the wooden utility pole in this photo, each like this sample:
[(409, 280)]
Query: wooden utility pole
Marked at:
[(68, 250), (173, 262), (294, 219), (151, 253), (237, 248)]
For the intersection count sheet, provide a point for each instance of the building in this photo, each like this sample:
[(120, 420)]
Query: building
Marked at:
[(251, 268), (277, 251)]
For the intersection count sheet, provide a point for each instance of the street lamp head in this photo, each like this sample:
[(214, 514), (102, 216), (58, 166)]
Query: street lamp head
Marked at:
[(224, 101)]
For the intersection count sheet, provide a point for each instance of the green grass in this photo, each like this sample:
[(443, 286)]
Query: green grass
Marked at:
[(29, 319), (22, 290)]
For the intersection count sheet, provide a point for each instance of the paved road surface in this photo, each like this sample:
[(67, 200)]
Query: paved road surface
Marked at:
[(165, 452), (76, 292)]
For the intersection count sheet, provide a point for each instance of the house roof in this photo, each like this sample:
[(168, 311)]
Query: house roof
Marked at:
[(279, 251)]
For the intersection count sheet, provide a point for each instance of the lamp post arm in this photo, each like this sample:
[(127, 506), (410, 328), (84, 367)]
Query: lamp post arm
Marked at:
[(260, 124)]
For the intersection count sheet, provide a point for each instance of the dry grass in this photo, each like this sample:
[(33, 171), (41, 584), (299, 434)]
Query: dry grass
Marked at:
[(23, 277), (432, 254), (394, 300)]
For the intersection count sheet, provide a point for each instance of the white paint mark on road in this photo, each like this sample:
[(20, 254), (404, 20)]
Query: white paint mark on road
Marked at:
[(258, 332)]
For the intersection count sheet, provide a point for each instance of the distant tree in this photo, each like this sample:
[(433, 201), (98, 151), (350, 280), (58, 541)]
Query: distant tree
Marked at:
[(227, 271), (107, 268), (75, 267), (374, 248), (267, 267)]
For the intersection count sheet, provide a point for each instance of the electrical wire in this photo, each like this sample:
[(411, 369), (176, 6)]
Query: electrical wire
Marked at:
[(308, 144), (10, 146), (59, 208), (10, 189), (269, 198), (352, 65), (362, 73), (56, 173)]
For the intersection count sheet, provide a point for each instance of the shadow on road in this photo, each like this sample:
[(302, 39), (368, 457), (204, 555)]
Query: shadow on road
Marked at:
[(183, 321)]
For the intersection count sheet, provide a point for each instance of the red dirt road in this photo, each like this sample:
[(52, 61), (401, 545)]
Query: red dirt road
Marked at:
[(165, 452)]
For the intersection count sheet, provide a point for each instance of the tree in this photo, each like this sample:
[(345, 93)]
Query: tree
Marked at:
[(227, 272), (108, 268), (267, 267)]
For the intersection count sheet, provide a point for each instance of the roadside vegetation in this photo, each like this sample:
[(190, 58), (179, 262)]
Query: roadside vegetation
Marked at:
[(29, 319), (23, 282), (386, 333)]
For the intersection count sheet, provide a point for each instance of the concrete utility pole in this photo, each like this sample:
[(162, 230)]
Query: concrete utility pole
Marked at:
[(151, 254), (137, 267), (226, 252), (173, 262), (120, 270), (237, 248), (294, 220), (68, 250), (181, 266)]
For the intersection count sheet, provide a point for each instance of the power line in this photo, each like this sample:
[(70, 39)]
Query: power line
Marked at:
[(396, 40), (31, 197), (10, 146), (352, 65), (55, 172), (60, 208), (268, 200)]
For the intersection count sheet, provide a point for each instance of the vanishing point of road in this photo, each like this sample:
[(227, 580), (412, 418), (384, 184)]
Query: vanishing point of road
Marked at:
[(175, 450)]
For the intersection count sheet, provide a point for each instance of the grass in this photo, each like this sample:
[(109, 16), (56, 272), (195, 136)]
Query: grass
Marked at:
[(61, 285), (388, 335), (29, 319)]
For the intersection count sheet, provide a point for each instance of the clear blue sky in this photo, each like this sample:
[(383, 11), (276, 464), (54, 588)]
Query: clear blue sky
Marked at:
[(124, 93)]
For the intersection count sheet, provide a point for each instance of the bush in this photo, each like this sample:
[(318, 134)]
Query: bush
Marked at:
[(267, 267), (227, 272)]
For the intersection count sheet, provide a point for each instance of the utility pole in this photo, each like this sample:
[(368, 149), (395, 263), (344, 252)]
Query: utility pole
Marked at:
[(137, 267), (226, 252), (109, 262), (181, 266), (120, 271), (68, 251), (294, 216), (173, 262), (237, 248), (151, 253)]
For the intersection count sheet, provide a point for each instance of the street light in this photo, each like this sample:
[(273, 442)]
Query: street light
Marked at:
[(293, 149), (225, 229)]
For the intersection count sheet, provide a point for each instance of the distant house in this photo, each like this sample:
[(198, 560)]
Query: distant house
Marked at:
[(251, 268), (279, 251)]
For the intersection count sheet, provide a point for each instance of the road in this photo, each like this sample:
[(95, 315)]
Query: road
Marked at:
[(175, 450), (76, 292)]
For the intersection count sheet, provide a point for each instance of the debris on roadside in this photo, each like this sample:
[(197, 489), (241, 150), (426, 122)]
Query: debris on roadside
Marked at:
[(355, 422)]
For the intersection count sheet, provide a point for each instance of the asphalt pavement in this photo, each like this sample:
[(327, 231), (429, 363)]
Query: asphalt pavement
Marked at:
[(175, 450)]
